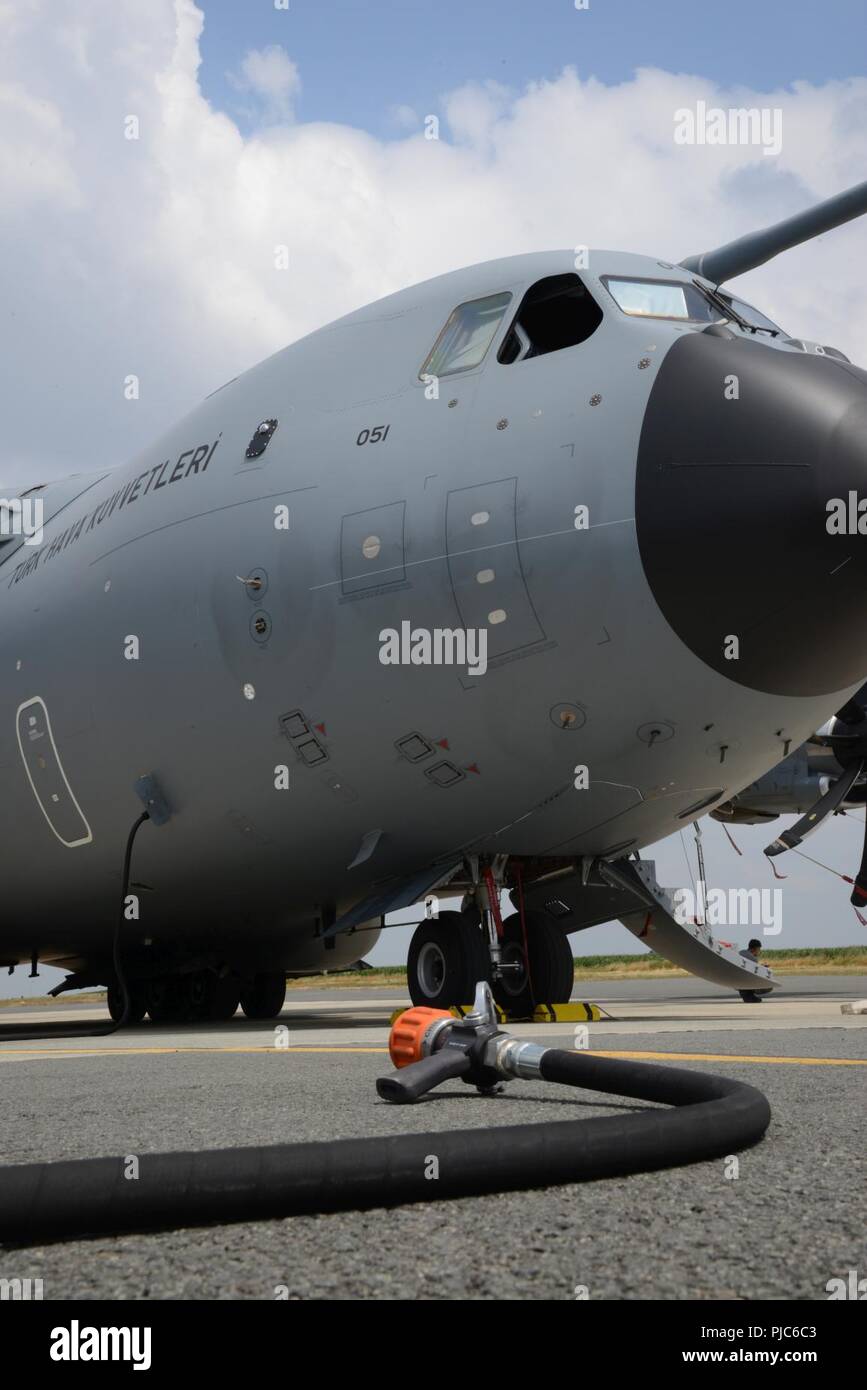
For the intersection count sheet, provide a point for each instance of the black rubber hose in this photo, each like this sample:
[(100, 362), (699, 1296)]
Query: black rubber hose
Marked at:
[(42, 1202)]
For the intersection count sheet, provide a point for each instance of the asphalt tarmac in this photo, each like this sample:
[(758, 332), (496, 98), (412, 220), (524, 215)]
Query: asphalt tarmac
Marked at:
[(794, 1217)]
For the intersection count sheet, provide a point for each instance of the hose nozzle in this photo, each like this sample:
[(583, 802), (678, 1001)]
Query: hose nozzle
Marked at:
[(430, 1045)]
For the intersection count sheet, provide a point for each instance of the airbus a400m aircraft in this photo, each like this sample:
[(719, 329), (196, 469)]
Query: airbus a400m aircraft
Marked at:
[(487, 585)]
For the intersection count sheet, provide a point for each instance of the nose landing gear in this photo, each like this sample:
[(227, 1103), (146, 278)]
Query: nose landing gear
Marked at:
[(526, 957)]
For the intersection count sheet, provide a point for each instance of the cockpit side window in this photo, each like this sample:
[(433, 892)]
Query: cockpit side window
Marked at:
[(555, 313), (660, 299), (468, 333)]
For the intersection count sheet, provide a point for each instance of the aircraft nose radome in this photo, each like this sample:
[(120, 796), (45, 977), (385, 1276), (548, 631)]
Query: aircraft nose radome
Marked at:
[(742, 448)]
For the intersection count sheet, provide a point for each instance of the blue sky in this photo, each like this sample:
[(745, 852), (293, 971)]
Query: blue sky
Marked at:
[(360, 60)]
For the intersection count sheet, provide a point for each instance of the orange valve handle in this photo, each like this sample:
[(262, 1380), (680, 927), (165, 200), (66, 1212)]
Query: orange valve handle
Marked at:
[(408, 1032)]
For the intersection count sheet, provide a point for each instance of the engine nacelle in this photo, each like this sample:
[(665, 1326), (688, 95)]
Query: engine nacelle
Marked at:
[(790, 788)]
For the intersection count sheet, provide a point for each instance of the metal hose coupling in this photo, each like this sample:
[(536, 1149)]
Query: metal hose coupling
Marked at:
[(521, 1060), (429, 1046)]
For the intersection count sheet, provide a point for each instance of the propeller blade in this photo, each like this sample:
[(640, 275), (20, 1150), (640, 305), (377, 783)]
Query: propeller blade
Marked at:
[(859, 892), (791, 838)]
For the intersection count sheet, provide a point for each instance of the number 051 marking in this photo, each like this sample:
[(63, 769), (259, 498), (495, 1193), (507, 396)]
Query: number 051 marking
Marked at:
[(373, 436)]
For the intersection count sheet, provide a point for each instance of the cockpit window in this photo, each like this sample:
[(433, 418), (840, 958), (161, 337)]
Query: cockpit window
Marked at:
[(468, 333), (555, 313), (661, 299)]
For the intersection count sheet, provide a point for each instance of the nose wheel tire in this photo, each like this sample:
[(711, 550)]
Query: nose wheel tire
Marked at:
[(552, 970), (447, 956), (264, 995)]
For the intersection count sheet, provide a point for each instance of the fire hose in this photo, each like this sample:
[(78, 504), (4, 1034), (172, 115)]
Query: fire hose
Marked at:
[(709, 1117)]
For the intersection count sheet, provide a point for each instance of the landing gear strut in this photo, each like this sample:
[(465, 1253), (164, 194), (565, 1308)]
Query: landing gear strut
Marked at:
[(540, 972)]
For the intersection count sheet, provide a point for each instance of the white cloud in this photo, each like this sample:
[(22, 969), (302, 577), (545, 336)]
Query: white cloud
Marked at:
[(156, 256), (35, 148), (476, 112), (272, 76)]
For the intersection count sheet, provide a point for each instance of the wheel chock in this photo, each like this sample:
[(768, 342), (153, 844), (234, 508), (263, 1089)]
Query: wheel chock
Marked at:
[(572, 1012)]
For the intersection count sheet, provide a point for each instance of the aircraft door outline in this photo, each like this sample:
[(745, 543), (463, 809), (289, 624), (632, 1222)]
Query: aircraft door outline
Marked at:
[(46, 775)]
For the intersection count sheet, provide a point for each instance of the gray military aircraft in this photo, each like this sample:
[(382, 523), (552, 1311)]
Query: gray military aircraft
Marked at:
[(485, 586)]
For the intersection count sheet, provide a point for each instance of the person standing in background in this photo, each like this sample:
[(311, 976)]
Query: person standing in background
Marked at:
[(753, 952)]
